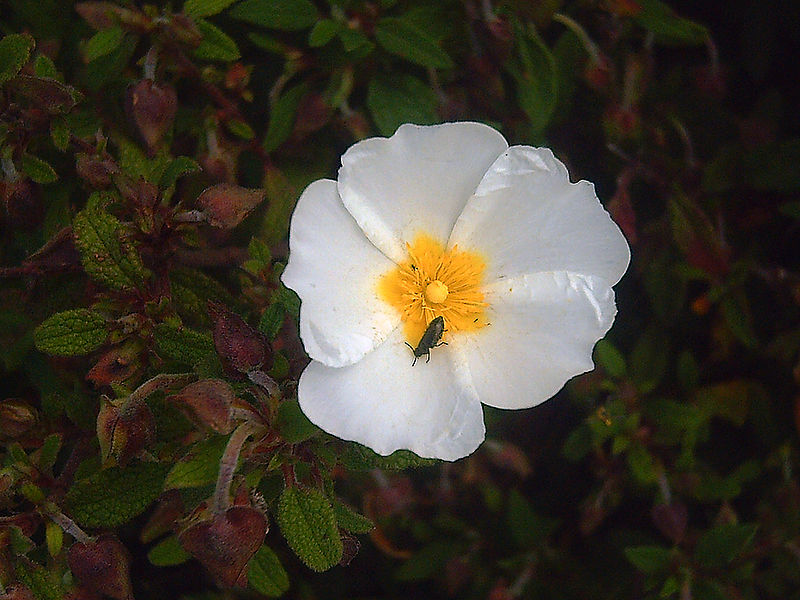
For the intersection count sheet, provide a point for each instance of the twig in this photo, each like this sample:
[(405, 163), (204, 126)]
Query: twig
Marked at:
[(227, 466)]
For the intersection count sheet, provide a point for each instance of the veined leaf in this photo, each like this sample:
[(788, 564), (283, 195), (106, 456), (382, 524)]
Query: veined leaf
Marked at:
[(15, 49), (308, 523), (266, 575), (114, 496), (106, 256), (71, 332), (205, 8), (289, 15), (404, 40)]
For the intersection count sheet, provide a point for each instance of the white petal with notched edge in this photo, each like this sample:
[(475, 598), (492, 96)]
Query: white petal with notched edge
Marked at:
[(526, 217), (333, 268), (541, 333), (387, 404), (418, 180)]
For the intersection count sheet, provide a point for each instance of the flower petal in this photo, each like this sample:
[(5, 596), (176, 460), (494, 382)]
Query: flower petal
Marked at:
[(541, 333), (416, 181), (387, 404), (334, 269), (527, 217)]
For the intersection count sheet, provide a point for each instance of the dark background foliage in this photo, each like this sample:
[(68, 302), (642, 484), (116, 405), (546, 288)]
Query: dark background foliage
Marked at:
[(151, 445)]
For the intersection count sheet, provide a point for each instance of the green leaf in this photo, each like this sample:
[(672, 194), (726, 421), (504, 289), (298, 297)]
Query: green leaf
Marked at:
[(427, 562), (353, 41), (324, 31), (266, 575), (649, 559), (534, 69), (240, 129), (610, 359), (168, 553), (404, 40), (720, 545), (259, 251), (205, 8), (359, 458), (642, 464), (182, 165), (44, 583), (15, 49), (528, 529), (182, 344), (60, 133), (44, 67), (116, 495), (308, 523), (37, 169), (396, 99), (106, 256), (272, 320), (71, 332), (216, 44), (293, 424), (199, 466), (736, 310), (137, 164), (289, 15), (282, 116), (49, 452), (103, 42), (649, 360), (350, 520), (578, 444), (192, 289), (659, 18)]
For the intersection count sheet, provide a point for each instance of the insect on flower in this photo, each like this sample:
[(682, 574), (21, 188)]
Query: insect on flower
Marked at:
[(430, 339)]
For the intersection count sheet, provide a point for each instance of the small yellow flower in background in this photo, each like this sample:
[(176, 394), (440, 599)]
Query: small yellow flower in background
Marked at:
[(446, 221)]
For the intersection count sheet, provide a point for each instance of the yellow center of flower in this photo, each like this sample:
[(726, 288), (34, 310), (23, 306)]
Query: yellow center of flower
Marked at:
[(436, 292), (435, 282)]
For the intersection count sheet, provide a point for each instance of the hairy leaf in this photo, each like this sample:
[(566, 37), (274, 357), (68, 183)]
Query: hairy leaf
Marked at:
[(114, 496), (308, 523), (71, 332)]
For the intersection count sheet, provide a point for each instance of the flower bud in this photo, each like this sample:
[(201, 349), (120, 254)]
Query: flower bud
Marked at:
[(94, 171), (598, 73), (185, 30), (124, 430), (240, 347), (313, 113), (152, 108), (225, 543), (115, 366), (671, 520), (16, 418), (104, 15), (208, 402), (102, 565), (22, 200), (225, 205)]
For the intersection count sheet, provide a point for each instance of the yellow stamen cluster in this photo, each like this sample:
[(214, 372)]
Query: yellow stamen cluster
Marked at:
[(434, 282)]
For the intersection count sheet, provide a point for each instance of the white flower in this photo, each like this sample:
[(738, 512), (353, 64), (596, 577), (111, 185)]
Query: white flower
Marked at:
[(446, 221)]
